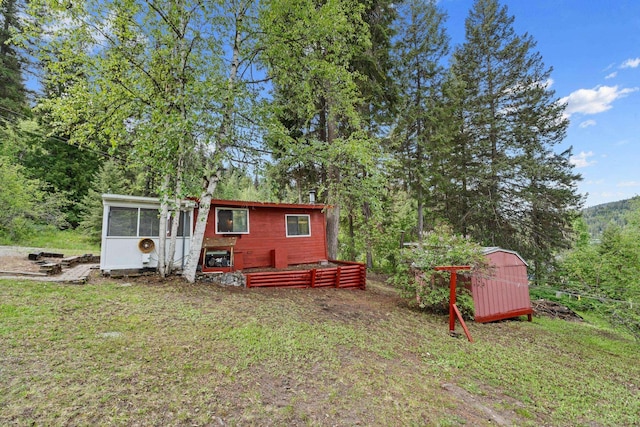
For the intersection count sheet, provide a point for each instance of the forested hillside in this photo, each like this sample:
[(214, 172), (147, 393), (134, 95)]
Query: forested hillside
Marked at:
[(599, 217)]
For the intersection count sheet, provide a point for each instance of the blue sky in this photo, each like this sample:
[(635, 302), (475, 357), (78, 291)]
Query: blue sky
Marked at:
[(594, 49)]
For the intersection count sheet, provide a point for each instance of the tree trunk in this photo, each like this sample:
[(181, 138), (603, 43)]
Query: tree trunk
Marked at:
[(333, 213), (223, 140), (420, 214), (176, 218), (162, 232), (333, 226), (366, 209), (352, 238), (204, 207)]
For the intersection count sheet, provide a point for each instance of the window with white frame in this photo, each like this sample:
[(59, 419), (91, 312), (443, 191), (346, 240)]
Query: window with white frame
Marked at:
[(232, 221), (298, 225)]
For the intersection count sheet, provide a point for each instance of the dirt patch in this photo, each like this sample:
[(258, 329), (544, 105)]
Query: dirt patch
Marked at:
[(18, 263)]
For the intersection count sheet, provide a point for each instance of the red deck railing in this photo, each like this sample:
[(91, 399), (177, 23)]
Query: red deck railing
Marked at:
[(345, 275)]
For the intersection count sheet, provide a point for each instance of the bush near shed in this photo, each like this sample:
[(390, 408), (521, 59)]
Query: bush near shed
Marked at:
[(417, 280)]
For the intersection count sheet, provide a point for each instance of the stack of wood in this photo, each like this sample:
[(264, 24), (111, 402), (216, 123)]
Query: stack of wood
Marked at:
[(40, 255), (555, 310), (80, 259), (50, 268)]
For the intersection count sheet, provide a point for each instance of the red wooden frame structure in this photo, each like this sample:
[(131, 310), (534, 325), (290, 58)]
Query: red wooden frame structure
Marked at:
[(346, 275), (453, 308)]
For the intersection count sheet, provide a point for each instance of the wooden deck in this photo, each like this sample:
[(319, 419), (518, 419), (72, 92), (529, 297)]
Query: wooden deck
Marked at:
[(349, 275)]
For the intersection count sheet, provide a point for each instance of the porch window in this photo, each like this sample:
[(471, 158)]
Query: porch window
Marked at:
[(183, 226), (232, 221), (298, 225), (149, 223), (132, 222), (123, 222)]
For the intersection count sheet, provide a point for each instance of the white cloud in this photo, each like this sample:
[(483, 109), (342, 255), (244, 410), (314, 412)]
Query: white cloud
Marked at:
[(608, 196), (631, 63), (582, 160), (610, 76), (587, 123), (629, 184), (622, 142), (594, 101)]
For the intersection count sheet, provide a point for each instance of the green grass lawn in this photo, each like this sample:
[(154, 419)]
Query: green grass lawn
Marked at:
[(71, 242), (146, 352)]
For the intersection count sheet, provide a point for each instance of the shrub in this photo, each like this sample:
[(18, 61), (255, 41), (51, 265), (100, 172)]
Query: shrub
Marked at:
[(417, 279)]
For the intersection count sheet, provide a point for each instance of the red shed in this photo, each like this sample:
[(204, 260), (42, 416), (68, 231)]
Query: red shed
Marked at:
[(241, 235), (505, 292)]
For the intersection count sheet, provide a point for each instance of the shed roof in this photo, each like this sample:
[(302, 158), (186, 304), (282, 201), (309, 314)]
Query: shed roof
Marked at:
[(139, 200), (493, 249)]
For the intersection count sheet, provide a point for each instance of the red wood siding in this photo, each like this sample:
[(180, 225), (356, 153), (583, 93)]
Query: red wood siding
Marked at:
[(503, 294), (266, 242)]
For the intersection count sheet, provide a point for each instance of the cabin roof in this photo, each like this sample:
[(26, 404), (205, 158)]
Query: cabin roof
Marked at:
[(248, 204), (119, 198)]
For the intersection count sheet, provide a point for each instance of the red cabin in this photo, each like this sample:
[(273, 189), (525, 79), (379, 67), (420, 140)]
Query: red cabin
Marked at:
[(243, 235)]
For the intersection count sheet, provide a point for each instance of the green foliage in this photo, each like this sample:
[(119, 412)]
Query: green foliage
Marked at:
[(13, 93), (25, 203), (393, 222), (67, 169), (607, 274), (417, 137), (109, 180), (318, 136), (440, 247), (68, 241), (517, 191), (598, 218), (236, 184)]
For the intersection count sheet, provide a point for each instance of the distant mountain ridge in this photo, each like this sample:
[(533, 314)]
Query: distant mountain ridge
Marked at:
[(600, 216)]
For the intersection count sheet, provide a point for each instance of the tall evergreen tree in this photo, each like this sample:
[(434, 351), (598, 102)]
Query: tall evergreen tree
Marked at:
[(13, 93), (522, 194), (309, 48), (419, 51), (110, 179)]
